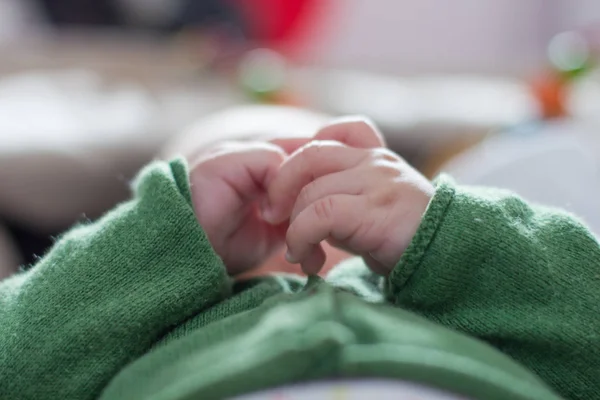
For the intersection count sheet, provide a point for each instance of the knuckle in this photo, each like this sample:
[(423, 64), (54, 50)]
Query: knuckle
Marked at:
[(307, 192), (385, 197), (356, 121), (312, 151), (313, 154), (381, 153), (340, 135), (304, 158), (385, 168), (364, 123), (324, 208)]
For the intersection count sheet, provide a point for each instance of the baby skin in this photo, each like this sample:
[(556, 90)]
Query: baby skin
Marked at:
[(341, 189)]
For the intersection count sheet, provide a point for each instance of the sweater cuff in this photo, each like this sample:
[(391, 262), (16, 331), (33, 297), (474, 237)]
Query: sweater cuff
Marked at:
[(430, 224)]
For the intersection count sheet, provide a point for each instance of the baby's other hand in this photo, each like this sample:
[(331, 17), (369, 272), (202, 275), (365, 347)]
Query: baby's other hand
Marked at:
[(227, 181), (368, 201)]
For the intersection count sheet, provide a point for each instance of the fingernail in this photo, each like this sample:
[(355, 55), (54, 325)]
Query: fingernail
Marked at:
[(289, 258), (265, 210)]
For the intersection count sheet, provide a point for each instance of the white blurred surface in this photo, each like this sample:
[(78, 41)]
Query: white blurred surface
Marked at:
[(70, 141), (558, 165), (447, 101)]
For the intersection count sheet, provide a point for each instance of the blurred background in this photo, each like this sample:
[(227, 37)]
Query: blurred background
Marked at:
[(495, 92)]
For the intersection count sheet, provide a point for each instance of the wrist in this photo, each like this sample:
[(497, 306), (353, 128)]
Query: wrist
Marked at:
[(417, 248), (406, 223)]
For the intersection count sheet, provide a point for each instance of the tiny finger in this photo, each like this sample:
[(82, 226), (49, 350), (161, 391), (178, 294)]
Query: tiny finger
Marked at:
[(312, 264), (333, 216), (351, 181), (307, 164)]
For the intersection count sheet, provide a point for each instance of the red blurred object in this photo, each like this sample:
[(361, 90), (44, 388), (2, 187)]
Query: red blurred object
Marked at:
[(281, 24)]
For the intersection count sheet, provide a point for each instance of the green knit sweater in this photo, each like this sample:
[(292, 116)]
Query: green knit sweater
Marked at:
[(494, 299)]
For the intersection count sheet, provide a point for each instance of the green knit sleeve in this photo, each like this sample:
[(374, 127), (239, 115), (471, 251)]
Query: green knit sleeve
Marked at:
[(106, 292), (524, 279)]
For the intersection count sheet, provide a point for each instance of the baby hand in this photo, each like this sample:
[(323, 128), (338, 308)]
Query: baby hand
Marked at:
[(226, 183), (368, 201)]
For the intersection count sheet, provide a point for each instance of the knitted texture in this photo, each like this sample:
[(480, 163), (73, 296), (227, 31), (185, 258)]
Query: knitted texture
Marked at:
[(523, 279), (141, 289), (106, 293)]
